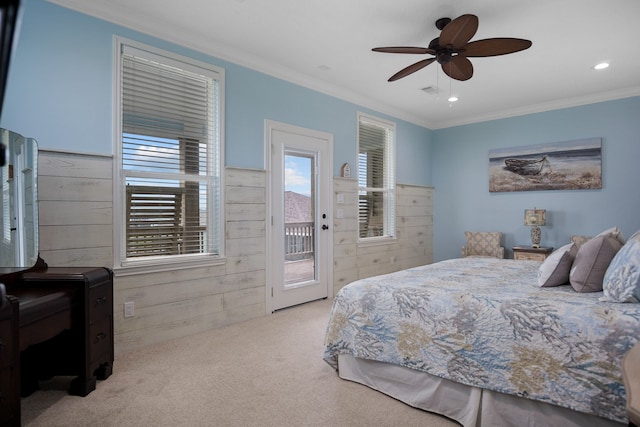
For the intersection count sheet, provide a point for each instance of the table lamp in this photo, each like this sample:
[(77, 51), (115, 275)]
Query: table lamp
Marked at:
[(534, 218)]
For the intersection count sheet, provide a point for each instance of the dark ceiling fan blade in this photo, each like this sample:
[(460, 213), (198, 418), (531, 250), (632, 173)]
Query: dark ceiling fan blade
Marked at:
[(403, 49), (459, 68), (411, 69), (495, 47), (459, 31)]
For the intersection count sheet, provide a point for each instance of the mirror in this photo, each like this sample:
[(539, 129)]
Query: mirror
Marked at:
[(19, 201)]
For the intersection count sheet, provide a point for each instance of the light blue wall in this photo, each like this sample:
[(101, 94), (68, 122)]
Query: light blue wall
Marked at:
[(60, 92), (461, 177)]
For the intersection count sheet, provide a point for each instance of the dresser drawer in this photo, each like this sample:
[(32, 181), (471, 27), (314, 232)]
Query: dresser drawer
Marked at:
[(100, 336), (100, 304), (529, 256)]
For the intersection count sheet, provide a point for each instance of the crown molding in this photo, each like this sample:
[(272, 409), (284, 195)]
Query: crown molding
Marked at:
[(542, 107), (225, 53)]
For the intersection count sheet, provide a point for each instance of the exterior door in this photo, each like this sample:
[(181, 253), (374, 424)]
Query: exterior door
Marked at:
[(300, 238)]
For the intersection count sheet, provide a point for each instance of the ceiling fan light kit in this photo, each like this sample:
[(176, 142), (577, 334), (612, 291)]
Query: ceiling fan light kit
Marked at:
[(452, 48)]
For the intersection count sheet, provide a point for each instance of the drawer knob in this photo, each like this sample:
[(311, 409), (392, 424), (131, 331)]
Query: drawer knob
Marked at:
[(99, 337), (101, 300)]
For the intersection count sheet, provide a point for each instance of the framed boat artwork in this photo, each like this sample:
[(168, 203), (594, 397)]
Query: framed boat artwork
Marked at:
[(568, 165)]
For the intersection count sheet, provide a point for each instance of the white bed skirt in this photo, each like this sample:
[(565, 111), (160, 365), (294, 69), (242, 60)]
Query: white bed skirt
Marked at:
[(470, 406)]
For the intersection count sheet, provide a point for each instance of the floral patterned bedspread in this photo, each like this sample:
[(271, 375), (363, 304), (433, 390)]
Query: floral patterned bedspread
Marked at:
[(484, 322)]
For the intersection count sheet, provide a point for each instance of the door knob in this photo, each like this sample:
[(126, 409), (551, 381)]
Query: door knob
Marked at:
[(325, 227)]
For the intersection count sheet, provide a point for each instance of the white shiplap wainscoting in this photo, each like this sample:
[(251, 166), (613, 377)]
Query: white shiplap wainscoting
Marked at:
[(413, 245), (75, 209), (187, 301), (76, 221)]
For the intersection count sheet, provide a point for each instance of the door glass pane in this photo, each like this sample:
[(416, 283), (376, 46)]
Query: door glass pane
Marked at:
[(299, 218)]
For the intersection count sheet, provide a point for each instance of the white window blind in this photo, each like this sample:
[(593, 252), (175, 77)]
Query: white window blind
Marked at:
[(170, 156), (6, 205), (376, 178)]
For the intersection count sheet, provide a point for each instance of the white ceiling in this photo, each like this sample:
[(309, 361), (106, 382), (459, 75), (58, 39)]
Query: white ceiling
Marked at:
[(326, 45)]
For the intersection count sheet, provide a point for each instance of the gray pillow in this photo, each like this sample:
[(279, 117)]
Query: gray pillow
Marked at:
[(614, 232), (591, 263), (554, 271), (580, 240)]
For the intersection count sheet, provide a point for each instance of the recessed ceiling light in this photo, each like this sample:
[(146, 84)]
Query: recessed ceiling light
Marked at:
[(601, 66), (453, 99)]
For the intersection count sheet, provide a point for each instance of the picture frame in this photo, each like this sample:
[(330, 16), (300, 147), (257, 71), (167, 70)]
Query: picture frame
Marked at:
[(567, 165)]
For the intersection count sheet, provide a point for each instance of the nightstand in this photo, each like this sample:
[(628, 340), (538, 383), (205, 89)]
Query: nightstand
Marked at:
[(532, 254)]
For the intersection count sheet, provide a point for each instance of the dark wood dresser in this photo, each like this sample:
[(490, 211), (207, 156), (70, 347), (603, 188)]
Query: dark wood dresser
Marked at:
[(64, 327), (89, 350)]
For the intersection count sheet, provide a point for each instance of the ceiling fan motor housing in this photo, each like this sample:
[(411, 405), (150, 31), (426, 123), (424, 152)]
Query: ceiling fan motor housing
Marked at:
[(444, 56), (442, 22)]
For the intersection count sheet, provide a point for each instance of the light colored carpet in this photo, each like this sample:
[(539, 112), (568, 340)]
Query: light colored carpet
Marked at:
[(264, 372)]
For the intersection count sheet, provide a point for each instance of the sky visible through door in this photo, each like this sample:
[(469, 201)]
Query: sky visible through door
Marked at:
[(296, 175)]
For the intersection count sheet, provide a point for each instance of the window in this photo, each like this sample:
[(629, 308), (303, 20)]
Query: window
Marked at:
[(376, 178), (169, 158)]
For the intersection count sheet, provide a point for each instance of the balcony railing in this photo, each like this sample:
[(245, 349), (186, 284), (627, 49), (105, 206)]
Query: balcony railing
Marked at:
[(298, 240)]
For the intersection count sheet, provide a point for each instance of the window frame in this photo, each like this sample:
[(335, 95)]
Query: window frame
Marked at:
[(215, 217), (389, 209)]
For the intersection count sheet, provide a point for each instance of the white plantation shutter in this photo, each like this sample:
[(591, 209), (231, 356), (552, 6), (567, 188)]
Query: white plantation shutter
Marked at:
[(376, 178), (170, 156)]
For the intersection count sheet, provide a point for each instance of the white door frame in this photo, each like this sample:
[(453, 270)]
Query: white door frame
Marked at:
[(270, 127)]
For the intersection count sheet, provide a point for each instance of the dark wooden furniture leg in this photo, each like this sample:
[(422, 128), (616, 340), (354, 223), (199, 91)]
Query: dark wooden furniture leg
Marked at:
[(9, 361)]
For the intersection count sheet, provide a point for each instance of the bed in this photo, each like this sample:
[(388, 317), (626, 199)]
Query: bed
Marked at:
[(479, 341)]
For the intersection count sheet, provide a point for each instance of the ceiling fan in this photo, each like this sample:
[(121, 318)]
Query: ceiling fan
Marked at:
[(452, 49)]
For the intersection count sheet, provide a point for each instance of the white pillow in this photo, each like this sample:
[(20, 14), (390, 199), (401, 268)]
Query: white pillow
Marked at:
[(554, 271)]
